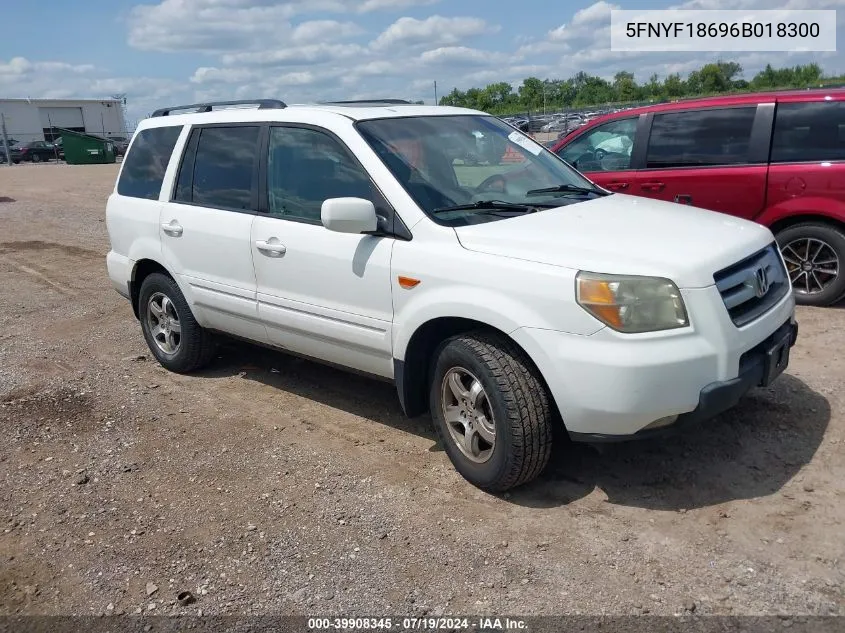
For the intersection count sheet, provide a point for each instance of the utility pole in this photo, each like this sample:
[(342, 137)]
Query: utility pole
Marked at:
[(435, 93), (53, 139), (544, 97), (5, 139)]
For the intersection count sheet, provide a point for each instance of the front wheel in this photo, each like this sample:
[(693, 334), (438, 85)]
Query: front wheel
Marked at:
[(172, 333), (814, 254), (491, 411), (36, 158)]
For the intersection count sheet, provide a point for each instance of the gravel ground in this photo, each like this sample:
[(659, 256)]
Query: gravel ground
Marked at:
[(268, 484)]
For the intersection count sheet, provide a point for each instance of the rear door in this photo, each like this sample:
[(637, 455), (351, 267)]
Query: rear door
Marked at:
[(603, 153), (713, 158), (205, 226), (807, 171)]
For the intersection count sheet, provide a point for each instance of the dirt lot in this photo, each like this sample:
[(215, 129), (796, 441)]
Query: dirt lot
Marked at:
[(273, 485)]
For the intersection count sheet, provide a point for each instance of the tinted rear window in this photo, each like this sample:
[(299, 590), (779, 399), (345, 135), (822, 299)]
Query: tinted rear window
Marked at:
[(144, 167), (809, 132), (224, 173), (700, 138)]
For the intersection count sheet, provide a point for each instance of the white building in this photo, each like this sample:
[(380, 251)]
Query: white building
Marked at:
[(33, 119)]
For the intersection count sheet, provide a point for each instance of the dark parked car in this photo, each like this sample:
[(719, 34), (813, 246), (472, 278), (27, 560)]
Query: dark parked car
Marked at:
[(34, 151), (120, 145)]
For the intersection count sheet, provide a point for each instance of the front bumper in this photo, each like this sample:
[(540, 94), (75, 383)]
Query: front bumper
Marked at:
[(613, 386), (756, 370)]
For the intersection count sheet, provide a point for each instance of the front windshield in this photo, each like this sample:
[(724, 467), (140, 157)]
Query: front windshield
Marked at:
[(451, 161)]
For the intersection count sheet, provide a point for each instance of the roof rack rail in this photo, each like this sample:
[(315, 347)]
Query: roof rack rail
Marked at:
[(263, 104), (373, 101)]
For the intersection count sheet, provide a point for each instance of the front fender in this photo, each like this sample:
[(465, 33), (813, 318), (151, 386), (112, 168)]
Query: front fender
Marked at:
[(495, 308)]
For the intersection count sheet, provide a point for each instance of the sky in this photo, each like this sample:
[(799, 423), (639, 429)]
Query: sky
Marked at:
[(167, 52)]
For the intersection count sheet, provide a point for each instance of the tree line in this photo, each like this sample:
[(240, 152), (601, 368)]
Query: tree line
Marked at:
[(535, 94)]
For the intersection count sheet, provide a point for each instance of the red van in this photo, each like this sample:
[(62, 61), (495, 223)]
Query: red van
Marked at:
[(777, 158)]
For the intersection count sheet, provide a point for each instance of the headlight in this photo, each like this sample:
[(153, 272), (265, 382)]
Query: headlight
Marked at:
[(631, 304)]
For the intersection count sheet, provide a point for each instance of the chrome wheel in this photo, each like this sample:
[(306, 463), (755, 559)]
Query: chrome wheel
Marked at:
[(468, 414), (163, 322), (812, 264)]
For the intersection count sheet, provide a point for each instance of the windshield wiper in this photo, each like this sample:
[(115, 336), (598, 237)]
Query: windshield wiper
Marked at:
[(486, 205), (565, 188)]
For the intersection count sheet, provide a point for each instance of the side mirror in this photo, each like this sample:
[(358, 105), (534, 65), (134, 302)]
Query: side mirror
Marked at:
[(349, 215)]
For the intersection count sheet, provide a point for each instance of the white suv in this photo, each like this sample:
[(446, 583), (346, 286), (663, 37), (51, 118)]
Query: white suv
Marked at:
[(505, 293)]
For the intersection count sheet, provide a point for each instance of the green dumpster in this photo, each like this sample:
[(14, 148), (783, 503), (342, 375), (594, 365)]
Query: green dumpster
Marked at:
[(86, 149)]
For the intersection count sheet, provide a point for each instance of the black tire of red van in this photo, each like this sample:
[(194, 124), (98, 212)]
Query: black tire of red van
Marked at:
[(815, 254)]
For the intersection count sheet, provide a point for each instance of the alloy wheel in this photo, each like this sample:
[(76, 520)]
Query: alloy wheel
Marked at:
[(468, 414), (163, 323), (812, 264)]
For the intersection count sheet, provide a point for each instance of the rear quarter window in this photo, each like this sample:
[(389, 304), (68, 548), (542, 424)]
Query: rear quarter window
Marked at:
[(145, 164), (809, 132)]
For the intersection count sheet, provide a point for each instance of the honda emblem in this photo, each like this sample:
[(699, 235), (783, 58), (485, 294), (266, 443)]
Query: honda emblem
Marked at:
[(761, 282)]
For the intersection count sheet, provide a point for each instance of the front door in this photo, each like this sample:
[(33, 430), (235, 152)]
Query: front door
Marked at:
[(322, 294)]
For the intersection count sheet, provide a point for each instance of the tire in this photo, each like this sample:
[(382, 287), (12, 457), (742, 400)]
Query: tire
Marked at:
[(514, 396), (36, 158), (794, 243), (194, 347)]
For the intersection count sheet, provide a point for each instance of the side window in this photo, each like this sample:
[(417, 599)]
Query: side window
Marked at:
[(809, 132), (185, 180), (306, 167), (145, 164), (225, 170), (700, 138), (605, 148)]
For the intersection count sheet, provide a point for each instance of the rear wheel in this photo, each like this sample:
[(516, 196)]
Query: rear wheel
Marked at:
[(174, 337), (491, 411), (814, 254)]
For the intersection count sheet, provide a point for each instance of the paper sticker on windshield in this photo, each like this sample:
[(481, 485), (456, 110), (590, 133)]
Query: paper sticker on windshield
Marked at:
[(525, 143)]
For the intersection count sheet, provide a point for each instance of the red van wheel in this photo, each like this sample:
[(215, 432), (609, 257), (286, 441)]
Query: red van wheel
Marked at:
[(814, 254)]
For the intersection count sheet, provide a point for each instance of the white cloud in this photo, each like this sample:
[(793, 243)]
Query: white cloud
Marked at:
[(206, 25), (598, 12), (324, 31), (213, 75), (461, 56), (20, 67), (211, 26), (432, 31), (379, 5), (311, 54)]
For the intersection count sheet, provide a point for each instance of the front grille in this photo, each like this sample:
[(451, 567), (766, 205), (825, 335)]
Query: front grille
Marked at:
[(741, 285)]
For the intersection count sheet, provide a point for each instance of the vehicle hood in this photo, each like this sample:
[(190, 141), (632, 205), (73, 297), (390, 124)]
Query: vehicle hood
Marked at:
[(624, 234)]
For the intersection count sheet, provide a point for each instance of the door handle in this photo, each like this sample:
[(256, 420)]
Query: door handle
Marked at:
[(271, 248), (172, 228), (616, 186), (653, 186), (683, 198)]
